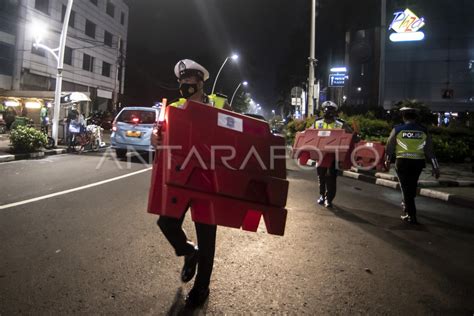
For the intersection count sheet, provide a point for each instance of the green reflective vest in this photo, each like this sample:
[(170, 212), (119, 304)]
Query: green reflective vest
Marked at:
[(321, 124), (213, 99), (411, 144)]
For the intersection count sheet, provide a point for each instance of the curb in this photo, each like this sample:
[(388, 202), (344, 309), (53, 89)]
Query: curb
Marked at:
[(434, 194), (421, 183), (35, 155)]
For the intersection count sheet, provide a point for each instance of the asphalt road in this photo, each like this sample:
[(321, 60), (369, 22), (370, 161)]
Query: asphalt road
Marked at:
[(95, 250)]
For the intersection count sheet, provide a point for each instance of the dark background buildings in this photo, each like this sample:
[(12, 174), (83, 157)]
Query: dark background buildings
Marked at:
[(272, 38)]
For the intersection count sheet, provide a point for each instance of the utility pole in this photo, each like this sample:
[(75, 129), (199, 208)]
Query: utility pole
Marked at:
[(118, 75), (19, 45), (312, 60)]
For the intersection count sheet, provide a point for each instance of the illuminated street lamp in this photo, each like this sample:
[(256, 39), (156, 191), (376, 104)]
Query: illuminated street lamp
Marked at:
[(234, 57), (39, 31), (245, 83)]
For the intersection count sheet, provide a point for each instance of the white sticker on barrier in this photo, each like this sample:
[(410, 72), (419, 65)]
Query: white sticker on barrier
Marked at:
[(230, 122), (324, 133), (369, 144)]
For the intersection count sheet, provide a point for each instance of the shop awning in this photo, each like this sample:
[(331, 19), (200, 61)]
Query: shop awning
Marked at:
[(74, 97), (37, 94)]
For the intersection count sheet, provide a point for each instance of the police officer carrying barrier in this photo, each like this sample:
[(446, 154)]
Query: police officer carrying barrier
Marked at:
[(191, 77), (191, 85), (327, 177), (409, 145)]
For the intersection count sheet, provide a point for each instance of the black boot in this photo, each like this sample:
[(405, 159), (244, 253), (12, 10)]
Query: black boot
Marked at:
[(321, 200), (197, 296), (189, 267), (405, 217)]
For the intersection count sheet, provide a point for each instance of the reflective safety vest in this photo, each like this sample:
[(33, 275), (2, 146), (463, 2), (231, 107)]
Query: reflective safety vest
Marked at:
[(213, 99), (179, 103), (411, 141), (217, 101), (321, 124)]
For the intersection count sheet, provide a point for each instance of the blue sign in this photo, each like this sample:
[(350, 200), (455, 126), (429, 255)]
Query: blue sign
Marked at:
[(337, 80)]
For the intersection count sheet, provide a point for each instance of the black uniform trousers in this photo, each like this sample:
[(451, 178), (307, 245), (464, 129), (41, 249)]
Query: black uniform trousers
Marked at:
[(206, 238), (327, 179), (408, 172)]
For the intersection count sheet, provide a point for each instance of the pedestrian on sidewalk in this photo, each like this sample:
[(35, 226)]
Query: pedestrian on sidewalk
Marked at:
[(44, 121), (73, 127), (327, 177), (191, 77), (409, 145)]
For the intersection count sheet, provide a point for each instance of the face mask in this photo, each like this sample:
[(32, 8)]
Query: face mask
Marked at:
[(329, 114), (188, 89)]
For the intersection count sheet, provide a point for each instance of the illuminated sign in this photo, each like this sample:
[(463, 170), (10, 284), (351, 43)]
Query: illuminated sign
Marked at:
[(337, 80), (407, 25)]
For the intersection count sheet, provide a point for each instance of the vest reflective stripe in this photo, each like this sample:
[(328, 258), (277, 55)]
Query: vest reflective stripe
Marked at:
[(411, 144), (321, 124)]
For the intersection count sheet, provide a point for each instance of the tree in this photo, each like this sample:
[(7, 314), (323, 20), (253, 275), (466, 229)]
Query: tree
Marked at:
[(425, 116), (241, 103)]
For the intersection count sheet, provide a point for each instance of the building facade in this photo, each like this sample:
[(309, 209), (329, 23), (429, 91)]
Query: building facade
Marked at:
[(437, 70), (94, 58)]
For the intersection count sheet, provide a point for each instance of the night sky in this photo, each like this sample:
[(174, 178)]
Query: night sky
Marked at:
[(271, 37)]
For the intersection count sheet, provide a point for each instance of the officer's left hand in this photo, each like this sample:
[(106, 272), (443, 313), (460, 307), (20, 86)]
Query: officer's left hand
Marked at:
[(436, 173)]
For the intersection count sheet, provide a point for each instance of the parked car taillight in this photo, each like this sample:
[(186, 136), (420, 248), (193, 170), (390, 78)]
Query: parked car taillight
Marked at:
[(114, 127)]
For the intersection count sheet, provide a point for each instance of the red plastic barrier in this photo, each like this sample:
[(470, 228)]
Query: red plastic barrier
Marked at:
[(369, 155), (324, 146), (222, 188)]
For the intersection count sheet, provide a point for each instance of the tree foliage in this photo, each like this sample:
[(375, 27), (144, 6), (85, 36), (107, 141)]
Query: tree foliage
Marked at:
[(241, 103)]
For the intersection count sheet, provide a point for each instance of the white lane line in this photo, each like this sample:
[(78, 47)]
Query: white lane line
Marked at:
[(48, 196)]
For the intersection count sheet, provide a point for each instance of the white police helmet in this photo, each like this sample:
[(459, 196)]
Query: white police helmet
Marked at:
[(327, 104), (187, 67)]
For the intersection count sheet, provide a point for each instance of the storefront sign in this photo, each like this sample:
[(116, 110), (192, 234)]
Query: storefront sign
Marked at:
[(407, 25)]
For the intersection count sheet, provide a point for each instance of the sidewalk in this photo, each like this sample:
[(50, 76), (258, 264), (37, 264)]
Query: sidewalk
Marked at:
[(6, 155)]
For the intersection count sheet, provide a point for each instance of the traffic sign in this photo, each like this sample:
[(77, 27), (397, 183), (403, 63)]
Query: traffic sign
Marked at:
[(337, 80)]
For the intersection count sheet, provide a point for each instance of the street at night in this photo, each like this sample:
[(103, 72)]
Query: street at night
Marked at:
[(270, 157), (97, 251)]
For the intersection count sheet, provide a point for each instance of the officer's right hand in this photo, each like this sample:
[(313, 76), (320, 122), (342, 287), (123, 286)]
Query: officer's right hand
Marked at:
[(387, 165), (156, 137), (436, 173)]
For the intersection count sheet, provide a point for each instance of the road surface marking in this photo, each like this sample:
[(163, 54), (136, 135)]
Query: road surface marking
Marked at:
[(48, 196)]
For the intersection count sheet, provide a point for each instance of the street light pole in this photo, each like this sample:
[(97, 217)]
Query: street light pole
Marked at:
[(236, 89), (59, 75), (312, 60), (58, 54), (234, 57)]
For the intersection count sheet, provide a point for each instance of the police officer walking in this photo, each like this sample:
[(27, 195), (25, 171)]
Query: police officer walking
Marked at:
[(191, 77), (409, 144), (327, 177)]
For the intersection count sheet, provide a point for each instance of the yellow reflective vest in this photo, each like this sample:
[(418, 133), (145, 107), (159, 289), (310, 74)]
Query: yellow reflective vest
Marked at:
[(411, 144), (213, 99), (321, 124)]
